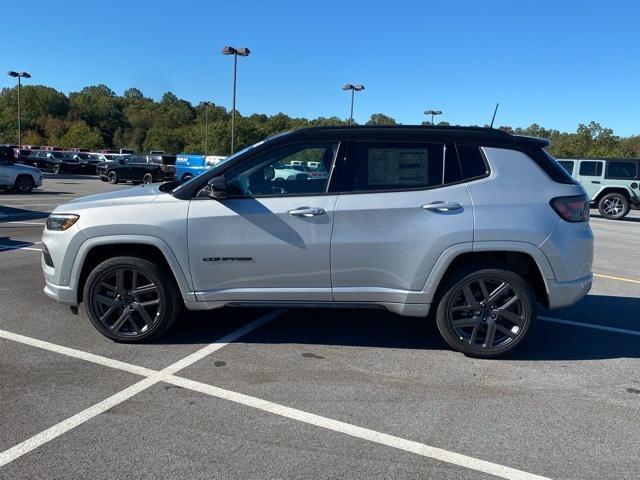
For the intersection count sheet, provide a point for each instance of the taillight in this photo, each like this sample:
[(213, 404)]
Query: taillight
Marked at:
[(572, 209)]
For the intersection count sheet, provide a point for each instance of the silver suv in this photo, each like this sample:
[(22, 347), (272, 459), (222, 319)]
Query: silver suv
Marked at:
[(21, 178), (473, 227)]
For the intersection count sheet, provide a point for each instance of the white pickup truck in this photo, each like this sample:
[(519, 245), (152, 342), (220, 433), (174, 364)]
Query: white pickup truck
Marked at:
[(22, 178)]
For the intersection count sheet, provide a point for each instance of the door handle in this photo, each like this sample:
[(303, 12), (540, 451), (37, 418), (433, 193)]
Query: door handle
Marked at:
[(307, 212), (442, 206), (595, 181)]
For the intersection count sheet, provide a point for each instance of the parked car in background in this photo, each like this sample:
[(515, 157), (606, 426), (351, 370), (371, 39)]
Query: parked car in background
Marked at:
[(21, 178), (138, 169), (88, 161), (613, 184), (55, 161), (126, 151), (412, 219), (189, 165), (107, 157)]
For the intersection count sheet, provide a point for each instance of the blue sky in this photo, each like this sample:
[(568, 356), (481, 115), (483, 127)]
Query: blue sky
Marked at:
[(556, 63)]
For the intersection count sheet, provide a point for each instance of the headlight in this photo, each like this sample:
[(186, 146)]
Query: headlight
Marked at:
[(61, 221)]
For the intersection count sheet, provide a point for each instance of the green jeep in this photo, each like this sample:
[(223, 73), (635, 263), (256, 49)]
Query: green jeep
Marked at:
[(611, 183)]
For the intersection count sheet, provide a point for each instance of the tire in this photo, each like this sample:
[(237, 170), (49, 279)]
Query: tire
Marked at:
[(186, 177), (465, 318), (147, 178), (121, 314), (614, 206), (56, 169), (24, 184), (112, 177)]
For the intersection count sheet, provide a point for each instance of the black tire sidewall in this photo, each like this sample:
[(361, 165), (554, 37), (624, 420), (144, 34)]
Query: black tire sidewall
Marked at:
[(30, 184), (56, 169), (624, 201), (112, 178), (146, 177), (522, 288), (166, 288)]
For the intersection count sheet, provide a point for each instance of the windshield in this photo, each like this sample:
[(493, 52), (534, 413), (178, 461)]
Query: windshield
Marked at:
[(230, 157)]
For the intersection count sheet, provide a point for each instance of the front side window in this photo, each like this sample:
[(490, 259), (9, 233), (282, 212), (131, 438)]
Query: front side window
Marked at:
[(591, 169), (282, 171), (393, 166), (622, 170)]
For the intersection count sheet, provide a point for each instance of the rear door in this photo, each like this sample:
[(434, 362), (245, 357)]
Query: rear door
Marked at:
[(591, 175), (401, 204)]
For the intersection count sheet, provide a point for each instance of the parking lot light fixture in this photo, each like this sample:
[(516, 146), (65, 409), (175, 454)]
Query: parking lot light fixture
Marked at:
[(19, 75), (354, 89), (243, 52), (206, 127), (432, 113)]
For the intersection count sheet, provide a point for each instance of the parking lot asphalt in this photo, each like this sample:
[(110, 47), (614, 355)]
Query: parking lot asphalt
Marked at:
[(242, 393)]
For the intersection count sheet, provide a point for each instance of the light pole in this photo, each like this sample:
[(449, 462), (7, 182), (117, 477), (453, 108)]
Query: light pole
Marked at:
[(432, 113), (243, 52), (206, 127), (354, 89), (19, 75)]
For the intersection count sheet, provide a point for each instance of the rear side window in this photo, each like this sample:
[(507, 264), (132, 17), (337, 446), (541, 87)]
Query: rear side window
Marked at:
[(472, 162), (388, 166), (622, 170), (591, 169), (567, 165)]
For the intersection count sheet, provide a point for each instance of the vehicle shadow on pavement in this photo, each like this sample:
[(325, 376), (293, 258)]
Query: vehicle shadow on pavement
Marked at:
[(381, 329), (11, 214), (35, 192), (7, 244)]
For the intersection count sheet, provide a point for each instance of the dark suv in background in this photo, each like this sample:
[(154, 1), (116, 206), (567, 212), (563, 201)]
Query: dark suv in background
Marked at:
[(138, 169), (54, 161)]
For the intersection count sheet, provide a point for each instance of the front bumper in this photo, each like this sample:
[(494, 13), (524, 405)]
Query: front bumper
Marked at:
[(564, 294), (61, 293)]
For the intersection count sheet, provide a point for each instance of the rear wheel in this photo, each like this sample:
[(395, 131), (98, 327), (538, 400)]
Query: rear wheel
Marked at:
[(130, 299), (614, 206), (147, 178), (112, 177), (56, 169), (24, 184), (485, 312)]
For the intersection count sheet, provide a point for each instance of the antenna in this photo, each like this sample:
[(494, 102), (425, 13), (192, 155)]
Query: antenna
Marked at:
[(494, 114)]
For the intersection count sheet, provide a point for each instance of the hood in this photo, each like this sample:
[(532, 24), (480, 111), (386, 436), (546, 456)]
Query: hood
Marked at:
[(25, 168), (126, 196)]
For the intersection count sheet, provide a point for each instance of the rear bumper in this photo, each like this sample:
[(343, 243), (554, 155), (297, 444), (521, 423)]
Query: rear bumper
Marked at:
[(563, 294)]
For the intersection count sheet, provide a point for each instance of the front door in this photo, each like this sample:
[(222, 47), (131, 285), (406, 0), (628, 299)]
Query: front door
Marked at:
[(270, 240), (590, 175), (401, 205)]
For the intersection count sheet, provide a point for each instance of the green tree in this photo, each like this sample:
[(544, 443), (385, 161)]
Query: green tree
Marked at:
[(80, 134), (380, 119)]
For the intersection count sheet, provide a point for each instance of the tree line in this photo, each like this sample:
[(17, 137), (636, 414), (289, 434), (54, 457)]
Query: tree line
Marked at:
[(96, 118)]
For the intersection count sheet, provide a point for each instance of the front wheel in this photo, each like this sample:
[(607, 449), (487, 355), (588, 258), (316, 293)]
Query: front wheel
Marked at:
[(112, 178), (147, 178), (24, 184), (130, 299), (485, 312), (56, 169), (614, 206)]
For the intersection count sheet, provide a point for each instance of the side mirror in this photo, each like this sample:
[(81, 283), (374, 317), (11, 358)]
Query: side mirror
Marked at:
[(217, 188)]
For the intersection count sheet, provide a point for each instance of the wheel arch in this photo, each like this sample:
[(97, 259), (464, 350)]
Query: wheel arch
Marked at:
[(615, 189), (525, 259), (94, 251)]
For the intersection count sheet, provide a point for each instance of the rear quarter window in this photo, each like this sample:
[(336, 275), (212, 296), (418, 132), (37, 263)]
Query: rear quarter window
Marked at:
[(472, 162), (591, 169), (622, 170)]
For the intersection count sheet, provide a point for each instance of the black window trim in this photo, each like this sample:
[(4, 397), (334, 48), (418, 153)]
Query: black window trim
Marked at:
[(484, 159)]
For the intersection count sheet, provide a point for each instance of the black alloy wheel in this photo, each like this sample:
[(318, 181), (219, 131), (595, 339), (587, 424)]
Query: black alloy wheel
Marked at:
[(614, 206), (486, 313), (147, 178), (112, 177), (129, 299), (24, 184)]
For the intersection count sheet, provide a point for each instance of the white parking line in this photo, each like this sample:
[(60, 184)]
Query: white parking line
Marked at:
[(167, 375), (392, 441), (153, 377), (590, 325)]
